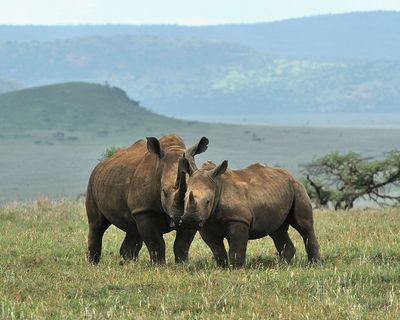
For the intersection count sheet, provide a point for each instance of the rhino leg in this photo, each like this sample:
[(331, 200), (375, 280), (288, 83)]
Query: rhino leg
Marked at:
[(302, 221), (310, 242), (183, 240), (152, 235), (283, 243), (213, 237), (131, 245), (97, 226), (237, 235)]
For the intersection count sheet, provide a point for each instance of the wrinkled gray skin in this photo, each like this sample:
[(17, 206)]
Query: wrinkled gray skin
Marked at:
[(246, 204), (136, 189)]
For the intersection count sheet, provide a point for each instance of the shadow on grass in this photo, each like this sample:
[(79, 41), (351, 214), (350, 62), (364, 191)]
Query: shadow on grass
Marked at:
[(252, 263), (201, 264), (262, 262)]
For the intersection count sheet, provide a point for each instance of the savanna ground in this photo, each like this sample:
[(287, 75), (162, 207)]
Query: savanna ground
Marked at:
[(40, 163), (44, 273)]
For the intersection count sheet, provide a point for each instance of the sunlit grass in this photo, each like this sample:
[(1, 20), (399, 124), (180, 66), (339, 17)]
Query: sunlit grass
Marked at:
[(44, 273)]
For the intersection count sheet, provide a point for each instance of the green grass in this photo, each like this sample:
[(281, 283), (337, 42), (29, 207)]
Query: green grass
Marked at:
[(44, 273)]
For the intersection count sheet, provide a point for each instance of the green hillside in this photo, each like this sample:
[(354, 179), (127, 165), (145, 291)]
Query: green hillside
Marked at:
[(180, 76), (74, 107)]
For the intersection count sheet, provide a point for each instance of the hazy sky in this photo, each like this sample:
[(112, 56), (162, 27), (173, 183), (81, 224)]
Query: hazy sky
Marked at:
[(175, 11)]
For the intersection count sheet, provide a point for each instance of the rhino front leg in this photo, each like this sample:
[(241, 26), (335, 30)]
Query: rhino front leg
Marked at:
[(237, 234), (213, 237), (151, 234), (183, 240)]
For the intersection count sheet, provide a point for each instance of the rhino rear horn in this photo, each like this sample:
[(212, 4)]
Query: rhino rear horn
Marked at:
[(153, 145), (192, 202)]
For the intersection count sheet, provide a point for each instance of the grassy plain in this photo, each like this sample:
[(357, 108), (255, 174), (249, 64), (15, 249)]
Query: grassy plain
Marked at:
[(39, 164), (44, 273)]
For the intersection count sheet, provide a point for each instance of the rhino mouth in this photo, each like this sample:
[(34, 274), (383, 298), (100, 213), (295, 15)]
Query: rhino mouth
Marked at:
[(191, 223)]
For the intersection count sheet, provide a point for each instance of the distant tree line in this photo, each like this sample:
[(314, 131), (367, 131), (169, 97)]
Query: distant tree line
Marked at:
[(339, 180)]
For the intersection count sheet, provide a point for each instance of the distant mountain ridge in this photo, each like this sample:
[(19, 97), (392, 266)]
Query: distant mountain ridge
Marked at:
[(331, 63), (359, 35)]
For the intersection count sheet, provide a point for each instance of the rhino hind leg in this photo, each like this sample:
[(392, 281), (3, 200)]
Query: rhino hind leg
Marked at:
[(131, 245), (310, 242), (283, 243), (97, 227), (302, 220)]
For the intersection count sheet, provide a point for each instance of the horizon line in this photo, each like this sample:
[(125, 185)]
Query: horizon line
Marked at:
[(173, 24)]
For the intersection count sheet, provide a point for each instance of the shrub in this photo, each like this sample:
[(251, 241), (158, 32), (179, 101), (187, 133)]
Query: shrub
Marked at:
[(338, 180), (109, 152)]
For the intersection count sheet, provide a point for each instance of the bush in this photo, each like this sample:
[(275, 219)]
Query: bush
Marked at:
[(338, 180), (109, 152)]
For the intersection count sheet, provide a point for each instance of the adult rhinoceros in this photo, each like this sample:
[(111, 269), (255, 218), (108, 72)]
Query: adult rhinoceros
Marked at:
[(134, 190), (247, 204)]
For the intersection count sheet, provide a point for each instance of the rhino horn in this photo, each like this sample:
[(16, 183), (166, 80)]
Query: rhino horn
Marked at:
[(180, 182), (192, 202)]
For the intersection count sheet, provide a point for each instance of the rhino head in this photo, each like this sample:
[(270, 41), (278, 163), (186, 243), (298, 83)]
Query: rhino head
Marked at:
[(203, 190), (172, 182)]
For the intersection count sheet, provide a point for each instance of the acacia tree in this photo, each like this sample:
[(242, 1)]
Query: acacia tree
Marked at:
[(338, 180)]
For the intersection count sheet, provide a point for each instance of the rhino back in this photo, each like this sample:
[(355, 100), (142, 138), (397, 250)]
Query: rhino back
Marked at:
[(258, 195)]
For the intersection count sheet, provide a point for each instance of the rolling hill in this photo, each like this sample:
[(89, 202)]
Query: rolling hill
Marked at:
[(79, 106)]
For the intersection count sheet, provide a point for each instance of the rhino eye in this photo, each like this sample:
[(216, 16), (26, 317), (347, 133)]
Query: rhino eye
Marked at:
[(208, 201), (164, 192)]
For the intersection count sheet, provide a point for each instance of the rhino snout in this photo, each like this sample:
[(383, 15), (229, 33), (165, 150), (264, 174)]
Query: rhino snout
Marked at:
[(191, 221), (177, 219)]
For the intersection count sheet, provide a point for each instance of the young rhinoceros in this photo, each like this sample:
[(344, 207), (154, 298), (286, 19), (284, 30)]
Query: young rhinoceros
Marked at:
[(246, 204)]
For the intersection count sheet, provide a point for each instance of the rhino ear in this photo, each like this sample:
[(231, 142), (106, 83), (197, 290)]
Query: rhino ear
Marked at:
[(198, 148), (184, 166), (153, 145), (220, 169)]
